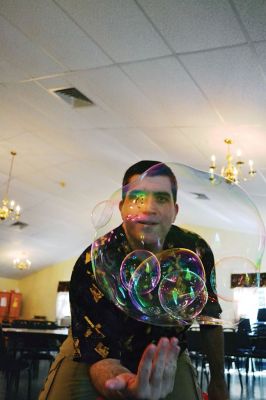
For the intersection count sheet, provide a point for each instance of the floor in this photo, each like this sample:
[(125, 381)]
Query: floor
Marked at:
[(254, 385)]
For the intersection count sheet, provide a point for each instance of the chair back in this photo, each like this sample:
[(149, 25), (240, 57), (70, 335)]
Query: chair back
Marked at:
[(261, 316), (244, 325)]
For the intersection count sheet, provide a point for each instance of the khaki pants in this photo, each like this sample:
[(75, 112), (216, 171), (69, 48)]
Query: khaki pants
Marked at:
[(68, 380)]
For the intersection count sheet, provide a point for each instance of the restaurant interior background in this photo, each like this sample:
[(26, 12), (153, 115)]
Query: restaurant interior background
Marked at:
[(166, 80)]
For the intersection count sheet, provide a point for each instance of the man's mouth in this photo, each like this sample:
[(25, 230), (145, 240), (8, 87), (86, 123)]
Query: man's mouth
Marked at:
[(151, 223), (141, 220)]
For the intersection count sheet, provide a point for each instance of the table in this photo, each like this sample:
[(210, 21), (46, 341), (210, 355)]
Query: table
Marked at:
[(26, 339), (60, 332)]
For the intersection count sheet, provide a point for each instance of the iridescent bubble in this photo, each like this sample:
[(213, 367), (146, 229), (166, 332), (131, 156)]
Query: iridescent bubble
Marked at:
[(150, 267), (138, 265), (180, 296), (181, 259), (178, 290)]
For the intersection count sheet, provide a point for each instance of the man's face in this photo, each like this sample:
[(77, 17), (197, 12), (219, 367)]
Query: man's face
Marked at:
[(148, 211)]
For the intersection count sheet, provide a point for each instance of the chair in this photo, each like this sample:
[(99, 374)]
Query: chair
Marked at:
[(35, 347), (11, 368), (244, 345), (244, 325), (259, 352), (261, 315)]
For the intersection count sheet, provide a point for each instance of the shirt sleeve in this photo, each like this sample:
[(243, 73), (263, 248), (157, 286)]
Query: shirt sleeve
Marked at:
[(95, 320)]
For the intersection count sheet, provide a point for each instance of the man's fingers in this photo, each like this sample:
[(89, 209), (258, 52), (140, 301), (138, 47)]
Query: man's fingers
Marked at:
[(145, 366), (170, 366), (171, 357), (159, 362)]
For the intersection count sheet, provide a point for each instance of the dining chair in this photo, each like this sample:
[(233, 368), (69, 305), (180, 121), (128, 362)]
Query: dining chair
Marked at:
[(35, 347), (232, 356), (11, 367)]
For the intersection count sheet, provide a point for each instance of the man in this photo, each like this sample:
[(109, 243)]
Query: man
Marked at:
[(126, 358)]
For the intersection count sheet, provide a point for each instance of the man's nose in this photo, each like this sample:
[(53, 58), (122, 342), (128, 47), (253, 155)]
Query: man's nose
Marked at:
[(147, 204)]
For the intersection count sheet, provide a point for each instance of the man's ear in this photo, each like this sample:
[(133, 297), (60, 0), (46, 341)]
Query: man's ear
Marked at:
[(176, 211), (121, 205)]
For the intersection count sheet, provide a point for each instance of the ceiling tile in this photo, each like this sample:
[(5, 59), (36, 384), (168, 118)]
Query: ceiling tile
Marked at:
[(253, 15), (119, 27), (190, 25), (232, 81), (176, 93), (120, 94), (23, 54), (48, 26)]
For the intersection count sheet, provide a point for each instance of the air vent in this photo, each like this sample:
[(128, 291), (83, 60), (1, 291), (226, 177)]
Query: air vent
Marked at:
[(73, 97), (200, 196), (19, 225)]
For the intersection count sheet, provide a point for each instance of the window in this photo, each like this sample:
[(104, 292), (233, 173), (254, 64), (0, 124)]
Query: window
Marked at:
[(248, 301), (62, 304)]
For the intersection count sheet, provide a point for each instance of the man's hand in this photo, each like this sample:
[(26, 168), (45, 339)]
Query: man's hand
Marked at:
[(156, 373), (217, 390)]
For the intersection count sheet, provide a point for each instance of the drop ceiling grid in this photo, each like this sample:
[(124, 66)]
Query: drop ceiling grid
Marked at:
[(120, 28), (139, 143), (253, 15), (193, 26), (35, 152), (20, 51), (51, 29), (122, 95), (85, 82), (176, 93), (240, 95), (210, 140), (54, 110), (10, 72), (175, 144)]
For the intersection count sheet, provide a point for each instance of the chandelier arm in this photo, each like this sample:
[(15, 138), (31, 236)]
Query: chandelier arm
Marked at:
[(13, 153)]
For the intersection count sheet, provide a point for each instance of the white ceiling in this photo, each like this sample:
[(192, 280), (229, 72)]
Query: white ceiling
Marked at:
[(170, 80)]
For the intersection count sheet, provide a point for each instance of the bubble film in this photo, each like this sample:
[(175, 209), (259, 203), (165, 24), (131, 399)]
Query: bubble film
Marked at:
[(150, 268), (177, 296), (231, 273), (155, 272)]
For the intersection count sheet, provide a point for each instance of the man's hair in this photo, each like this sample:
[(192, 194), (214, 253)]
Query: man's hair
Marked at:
[(156, 168)]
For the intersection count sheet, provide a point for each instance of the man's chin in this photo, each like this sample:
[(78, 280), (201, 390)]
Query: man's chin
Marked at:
[(151, 244)]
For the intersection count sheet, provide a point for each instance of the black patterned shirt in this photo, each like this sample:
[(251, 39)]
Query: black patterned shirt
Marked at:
[(101, 330)]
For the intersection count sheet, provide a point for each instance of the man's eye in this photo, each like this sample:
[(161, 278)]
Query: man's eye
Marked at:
[(136, 197), (132, 197), (162, 199)]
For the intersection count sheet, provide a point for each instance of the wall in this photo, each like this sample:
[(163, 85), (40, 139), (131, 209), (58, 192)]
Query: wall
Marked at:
[(8, 284), (40, 288)]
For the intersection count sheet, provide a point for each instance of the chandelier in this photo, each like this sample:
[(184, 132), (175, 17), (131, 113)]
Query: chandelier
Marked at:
[(8, 208), (22, 263), (232, 171)]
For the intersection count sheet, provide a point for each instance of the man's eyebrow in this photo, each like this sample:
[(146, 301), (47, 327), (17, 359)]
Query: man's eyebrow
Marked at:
[(166, 194), (155, 193), (136, 191)]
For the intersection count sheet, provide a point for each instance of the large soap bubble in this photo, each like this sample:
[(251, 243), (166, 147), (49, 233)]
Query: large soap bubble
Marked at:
[(160, 279)]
